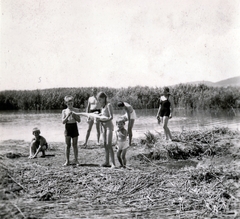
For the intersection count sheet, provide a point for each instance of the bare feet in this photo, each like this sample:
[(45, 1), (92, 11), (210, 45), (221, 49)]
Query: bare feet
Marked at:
[(66, 163), (77, 163), (84, 145), (106, 165), (112, 166)]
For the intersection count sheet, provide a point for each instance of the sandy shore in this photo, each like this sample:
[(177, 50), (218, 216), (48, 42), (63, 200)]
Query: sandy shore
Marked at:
[(152, 186)]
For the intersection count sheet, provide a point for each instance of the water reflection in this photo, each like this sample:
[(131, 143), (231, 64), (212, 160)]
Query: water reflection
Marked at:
[(18, 124)]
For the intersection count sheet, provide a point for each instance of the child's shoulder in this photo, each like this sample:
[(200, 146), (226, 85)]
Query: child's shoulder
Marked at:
[(162, 98), (75, 109)]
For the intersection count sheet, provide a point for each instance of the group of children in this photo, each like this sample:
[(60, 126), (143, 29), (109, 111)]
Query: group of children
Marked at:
[(100, 112), (71, 116)]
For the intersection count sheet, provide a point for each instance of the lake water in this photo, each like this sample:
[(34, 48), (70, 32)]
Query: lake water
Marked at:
[(18, 125)]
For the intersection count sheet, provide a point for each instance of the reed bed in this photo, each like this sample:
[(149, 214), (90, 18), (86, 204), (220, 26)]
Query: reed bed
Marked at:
[(33, 190)]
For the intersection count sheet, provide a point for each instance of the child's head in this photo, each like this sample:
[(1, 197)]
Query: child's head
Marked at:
[(94, 91), (120, 122), (166, 91), (68, 99), (36, 131), (102, 98), (120, 104)]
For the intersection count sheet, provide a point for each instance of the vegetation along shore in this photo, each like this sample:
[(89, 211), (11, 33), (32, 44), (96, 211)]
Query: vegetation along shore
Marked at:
[(195, 176), (184, 95)]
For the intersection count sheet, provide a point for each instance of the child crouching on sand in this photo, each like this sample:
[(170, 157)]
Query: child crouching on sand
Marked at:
[(122, 145), (38, 144)]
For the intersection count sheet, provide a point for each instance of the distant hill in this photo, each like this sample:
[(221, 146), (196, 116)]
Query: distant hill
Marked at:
[(235, 81), (229, 82)]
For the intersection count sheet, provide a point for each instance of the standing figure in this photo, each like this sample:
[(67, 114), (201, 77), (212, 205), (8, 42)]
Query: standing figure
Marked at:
[(165, 112), (108, 128), (122, 146), (129, 116), (71, 129), (93, 106), (38, 144)]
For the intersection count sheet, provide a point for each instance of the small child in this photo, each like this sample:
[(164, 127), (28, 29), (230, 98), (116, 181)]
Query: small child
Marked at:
[(38, 144), (122, 146), (129, 116)]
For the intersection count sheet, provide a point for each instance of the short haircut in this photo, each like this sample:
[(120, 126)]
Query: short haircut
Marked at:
[(68, 98), (120, 119), (36, 130), (102, 95), (120, 104)]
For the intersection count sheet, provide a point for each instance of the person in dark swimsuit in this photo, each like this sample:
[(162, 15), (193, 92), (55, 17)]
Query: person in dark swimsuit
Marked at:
[(71, 129), (93, 106), (165, 112)]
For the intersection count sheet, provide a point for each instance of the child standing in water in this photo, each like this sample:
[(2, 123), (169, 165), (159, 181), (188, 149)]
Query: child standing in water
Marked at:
[(71, 130), (108, 128), (122, 146), (38, 144)]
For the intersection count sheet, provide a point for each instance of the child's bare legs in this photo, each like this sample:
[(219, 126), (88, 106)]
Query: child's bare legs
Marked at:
[(67, 150), (108, 147), (119, 153), (75, 149), (90, 124), (124, 157), (131, 123), (33, 148), (166, 129), (43, 153), (44, 147), (98, 132)]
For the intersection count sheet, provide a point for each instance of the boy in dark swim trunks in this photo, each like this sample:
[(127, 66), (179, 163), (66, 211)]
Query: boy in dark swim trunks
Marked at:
[(38, 144), (71, 129)]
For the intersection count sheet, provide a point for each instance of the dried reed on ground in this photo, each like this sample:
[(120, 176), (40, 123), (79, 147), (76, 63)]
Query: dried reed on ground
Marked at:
[(41, 191)]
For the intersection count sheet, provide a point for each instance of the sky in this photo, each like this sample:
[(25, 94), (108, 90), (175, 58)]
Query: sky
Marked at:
[(117, 43)]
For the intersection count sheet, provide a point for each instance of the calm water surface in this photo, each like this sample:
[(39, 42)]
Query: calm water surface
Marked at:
[(17, 125)]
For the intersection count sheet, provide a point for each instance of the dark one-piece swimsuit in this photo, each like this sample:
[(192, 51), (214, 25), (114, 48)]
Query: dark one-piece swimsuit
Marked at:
[(165, 108)]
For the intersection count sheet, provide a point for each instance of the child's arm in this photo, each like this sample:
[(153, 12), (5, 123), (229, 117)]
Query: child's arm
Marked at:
[(65, 116), (75, 116), (92, 115), (171, 106), (158, 110), (110, 110), (38, 150)]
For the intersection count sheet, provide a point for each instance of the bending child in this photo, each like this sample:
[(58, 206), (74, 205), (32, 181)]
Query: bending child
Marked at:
[(38, 144), (129, 116), (71, 130), (122, 146)]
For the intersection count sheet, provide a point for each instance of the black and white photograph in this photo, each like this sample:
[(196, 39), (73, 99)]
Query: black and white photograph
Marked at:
[(119, 109)]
